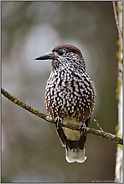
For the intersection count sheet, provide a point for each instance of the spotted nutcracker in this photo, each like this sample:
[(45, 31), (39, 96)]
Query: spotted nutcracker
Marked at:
[(69, 96)]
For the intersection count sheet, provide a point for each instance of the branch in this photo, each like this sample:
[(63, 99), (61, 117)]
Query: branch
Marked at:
[(119, 91), (117, 22), (117, 140)]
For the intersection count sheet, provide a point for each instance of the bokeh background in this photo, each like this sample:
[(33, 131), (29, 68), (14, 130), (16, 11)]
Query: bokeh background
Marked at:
[(31, 150)]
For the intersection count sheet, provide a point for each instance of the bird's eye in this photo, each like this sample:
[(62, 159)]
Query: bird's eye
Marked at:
[(60, 52)]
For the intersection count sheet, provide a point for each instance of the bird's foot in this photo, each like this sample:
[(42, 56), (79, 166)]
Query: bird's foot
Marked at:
[(58, 122), (82, 129)]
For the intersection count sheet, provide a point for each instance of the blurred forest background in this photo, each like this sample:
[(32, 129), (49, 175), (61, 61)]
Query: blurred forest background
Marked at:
[(31, 150)]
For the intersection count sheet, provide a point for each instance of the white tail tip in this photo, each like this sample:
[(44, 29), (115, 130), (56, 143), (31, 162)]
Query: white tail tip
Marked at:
[(75, 155)]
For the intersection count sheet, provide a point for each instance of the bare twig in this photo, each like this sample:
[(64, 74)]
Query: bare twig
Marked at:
[(117, 22), (98, 125), (15, 100)]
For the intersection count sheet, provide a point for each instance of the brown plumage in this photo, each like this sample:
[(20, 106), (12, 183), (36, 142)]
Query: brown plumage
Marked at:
[(69, 96)]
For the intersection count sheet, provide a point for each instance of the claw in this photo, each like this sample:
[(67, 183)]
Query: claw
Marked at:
[(58, 122), (82, 129)]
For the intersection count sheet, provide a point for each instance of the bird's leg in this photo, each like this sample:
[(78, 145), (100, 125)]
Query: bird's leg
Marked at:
[(58, 122), (82, 129)]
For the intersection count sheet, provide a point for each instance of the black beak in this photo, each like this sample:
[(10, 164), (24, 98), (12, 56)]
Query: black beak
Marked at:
[(49, 55)]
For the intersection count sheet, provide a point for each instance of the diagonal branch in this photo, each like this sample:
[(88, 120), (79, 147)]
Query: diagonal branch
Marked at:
[(117, 140)]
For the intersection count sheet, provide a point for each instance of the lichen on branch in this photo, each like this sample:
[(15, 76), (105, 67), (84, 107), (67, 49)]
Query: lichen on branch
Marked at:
[(114, 138)]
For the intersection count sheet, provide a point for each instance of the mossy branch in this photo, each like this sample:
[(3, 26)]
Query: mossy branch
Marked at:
[(118, 14), (116, 139)]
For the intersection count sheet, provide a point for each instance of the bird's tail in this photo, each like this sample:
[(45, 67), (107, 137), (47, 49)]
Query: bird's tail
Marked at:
[(75, 151)]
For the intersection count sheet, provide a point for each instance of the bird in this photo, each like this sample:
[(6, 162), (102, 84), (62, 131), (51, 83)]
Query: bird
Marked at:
[(70, 96)]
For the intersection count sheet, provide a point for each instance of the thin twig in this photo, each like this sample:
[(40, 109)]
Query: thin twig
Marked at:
[(117, 22), (98, 125), (27, 107)]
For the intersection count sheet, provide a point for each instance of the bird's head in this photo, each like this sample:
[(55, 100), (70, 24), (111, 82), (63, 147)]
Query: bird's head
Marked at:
[(65, 57)]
